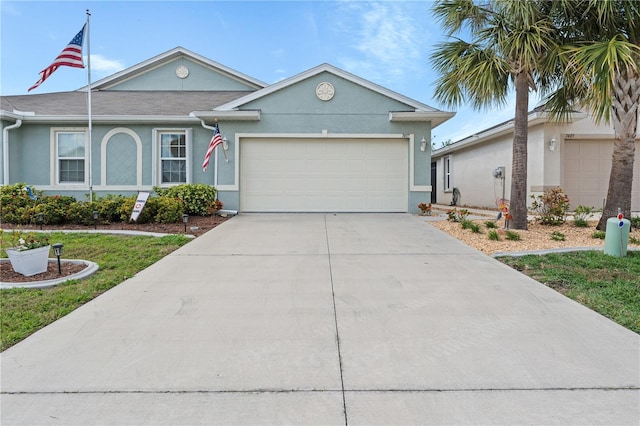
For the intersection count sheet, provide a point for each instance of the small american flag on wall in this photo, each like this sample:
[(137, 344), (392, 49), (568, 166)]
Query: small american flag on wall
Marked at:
[(71, 56), (215, 141)]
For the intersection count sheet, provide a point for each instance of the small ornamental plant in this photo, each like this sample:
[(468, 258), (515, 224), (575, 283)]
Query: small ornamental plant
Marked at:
[(425, 208), (23, 242)]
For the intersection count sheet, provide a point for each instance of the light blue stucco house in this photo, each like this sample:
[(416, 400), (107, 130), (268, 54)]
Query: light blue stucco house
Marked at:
[(324, 140)]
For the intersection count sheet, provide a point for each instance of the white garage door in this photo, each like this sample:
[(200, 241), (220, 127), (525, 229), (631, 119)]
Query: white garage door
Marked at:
[(323, 175), (587, 165)]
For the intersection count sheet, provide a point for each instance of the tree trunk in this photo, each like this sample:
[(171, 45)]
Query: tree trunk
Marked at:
[(518, 202), (625, 125)]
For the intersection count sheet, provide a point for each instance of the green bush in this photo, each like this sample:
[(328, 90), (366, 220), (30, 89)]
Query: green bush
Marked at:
[(55, 209), (490, 224), (512, 236), (558, 236), (475, 228), (456, 215), (146, 216), (169, 210), (80, 213), (635, 222), (493, 235), (198, 198), (599, 235), (581, 214), (109, 208), (466, 224), (15, 205), (552, 206)]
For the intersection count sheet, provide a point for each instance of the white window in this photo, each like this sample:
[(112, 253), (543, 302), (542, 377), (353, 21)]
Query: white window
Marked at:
[(448, 183), (173, 156), (70, 157)]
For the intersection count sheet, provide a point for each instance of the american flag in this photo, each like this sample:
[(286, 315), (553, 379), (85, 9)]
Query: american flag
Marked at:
[(215, 141), (71, 56)]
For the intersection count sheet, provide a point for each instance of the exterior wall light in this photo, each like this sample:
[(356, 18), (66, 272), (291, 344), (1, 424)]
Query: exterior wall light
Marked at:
[(225, 144), (423, 145), (552, 144)]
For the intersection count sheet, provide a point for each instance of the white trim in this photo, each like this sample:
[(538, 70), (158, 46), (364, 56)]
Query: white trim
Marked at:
[(53, 158), (434, 117), (238, 136), (447, 171), (156, 167), (103, 154), (244, 115)]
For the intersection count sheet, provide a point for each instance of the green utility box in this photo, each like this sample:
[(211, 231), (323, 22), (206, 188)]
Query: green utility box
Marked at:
[(616, 237)]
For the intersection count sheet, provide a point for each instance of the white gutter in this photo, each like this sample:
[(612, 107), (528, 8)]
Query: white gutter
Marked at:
[(5, 150)]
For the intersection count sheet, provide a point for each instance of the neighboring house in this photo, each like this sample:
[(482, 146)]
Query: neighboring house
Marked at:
[(574, 155), (324, 140)]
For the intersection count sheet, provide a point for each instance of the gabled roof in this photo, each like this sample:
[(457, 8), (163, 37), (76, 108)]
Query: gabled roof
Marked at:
[(166, 57), (418, 106)]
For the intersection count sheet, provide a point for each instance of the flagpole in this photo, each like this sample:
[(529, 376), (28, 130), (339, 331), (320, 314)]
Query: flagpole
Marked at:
[(215, 162), (89, 107)]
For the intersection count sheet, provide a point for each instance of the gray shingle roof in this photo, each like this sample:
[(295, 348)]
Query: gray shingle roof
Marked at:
[(120, 103)]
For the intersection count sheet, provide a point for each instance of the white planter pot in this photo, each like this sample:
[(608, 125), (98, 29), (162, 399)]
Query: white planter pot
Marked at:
[(29, 262)]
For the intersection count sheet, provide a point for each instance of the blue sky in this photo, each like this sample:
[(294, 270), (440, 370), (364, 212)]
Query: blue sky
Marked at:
[(386, 42)]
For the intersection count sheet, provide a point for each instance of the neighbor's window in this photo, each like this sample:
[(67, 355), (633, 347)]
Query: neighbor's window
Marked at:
[(70, 152), (447, 173), (173, 157)]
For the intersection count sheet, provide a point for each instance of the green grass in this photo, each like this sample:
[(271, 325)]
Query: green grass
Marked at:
[(23, 312), (606, 284)]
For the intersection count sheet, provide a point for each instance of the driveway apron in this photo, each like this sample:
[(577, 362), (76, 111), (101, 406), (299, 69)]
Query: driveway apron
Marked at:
[(326, 319)]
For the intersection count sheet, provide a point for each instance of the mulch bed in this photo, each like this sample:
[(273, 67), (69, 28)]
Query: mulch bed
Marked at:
[(8, 275), (196, 226)]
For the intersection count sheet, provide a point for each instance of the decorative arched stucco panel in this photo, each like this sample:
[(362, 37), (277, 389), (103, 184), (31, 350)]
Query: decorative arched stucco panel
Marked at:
[(121, 158)]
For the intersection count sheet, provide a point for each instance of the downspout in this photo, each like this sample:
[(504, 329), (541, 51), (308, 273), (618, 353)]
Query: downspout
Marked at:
[(5, 150)]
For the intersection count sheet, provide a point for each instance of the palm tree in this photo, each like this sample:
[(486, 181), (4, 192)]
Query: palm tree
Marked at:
[(601, 60), (510, 39)]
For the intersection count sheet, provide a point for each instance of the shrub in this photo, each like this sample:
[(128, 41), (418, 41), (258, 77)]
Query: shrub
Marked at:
[(490, 224), (15, 205), (599, 235), (109, 208), (493, 235), (512, 236), (197, 198), (552, 206), (456, 215), (146, 216), (169, 210), (55, 208), (558, 236), (80, 213), (635, 222), (475, 228), (466, 224), (580, 215)]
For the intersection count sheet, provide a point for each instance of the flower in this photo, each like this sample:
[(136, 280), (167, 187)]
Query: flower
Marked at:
[(30, 241)]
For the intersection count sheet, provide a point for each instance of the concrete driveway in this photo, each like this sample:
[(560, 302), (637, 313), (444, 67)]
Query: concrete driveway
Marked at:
[(326, 319)]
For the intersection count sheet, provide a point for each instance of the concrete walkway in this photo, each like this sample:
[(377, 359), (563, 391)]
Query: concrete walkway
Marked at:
[(326, 319)]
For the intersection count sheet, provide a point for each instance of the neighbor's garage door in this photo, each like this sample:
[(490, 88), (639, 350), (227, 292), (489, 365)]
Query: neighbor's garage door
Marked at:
[(323, 175), (587, 165)]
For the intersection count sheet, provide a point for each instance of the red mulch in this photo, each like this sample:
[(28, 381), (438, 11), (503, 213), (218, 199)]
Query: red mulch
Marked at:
[(196, 226)]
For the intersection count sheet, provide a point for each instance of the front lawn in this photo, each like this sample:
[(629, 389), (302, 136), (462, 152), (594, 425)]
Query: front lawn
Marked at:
[(606, 284), (23, 312)]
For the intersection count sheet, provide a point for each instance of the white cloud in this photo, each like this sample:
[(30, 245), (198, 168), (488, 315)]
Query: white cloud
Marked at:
[(103, 66), (387, 41)]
